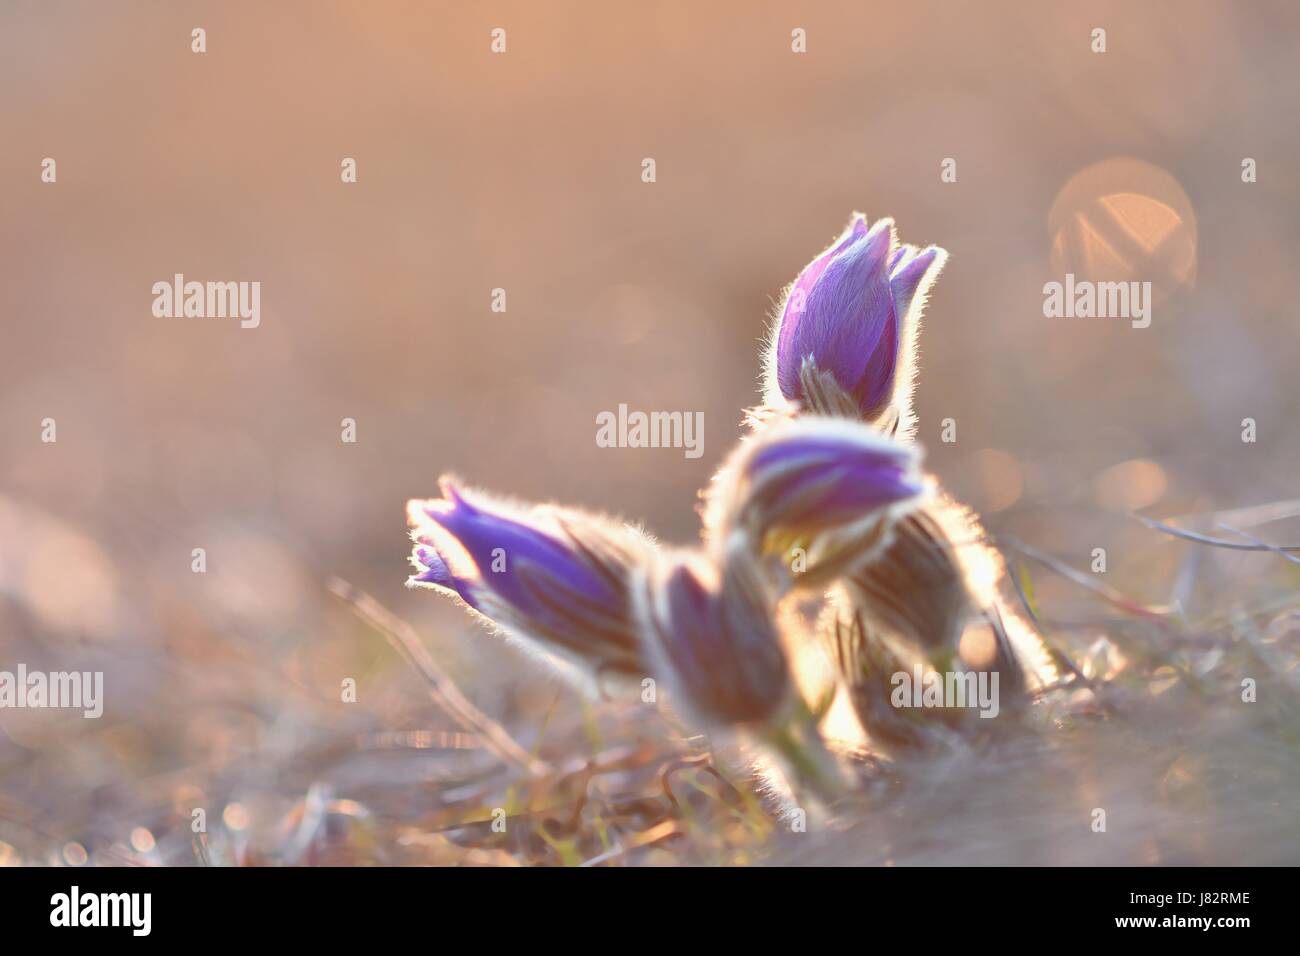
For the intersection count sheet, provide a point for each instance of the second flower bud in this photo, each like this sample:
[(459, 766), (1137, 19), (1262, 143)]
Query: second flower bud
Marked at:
[(816, 495)]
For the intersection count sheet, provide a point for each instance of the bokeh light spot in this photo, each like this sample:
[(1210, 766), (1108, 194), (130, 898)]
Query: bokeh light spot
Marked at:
[(1124, 220)]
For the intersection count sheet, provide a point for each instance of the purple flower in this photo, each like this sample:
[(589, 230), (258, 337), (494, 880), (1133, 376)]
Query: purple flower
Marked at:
[(554, 577), (852, 314), (820, 492), (819, 474), (711, 630)]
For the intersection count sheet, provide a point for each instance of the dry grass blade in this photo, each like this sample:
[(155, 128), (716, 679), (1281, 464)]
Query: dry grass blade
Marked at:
[(1118, 598), (442, 688), (1264, 544), (1215, 542), (655, 834)]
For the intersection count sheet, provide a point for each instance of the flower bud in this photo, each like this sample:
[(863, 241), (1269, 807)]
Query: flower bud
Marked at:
[(709, 624), (916, 589), (853, 315), (555, 578), (817, 494), (711, 630), (869, 666)]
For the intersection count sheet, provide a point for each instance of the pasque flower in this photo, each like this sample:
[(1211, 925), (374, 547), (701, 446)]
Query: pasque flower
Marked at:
[(708, 622), (846, 346), (555, 578), (851, 316), (823, 489), (827, 489), (869, 662), (916, 589), (710, 629)]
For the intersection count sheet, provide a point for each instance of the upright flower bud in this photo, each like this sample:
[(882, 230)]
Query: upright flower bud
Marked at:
[(847, 333), (819, 495), (556, 579)]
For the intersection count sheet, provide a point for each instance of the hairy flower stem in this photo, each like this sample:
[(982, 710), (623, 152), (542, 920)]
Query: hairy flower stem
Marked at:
[(799, 743)]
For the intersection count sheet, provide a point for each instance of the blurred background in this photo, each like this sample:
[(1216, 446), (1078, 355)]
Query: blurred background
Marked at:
[(522, 171)]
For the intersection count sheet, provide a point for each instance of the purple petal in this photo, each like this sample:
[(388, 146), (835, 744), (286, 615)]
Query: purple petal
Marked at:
[(900, 257), (436, 571), (490, 538), (823, 481), (805, 448), (435, 568), (906, 278), (839, 493), (796, 302), (849, 326), (725, 655)]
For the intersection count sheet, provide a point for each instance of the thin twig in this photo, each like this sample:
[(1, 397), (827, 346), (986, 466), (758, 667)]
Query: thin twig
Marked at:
[(1270, 547), (442, 688), (1117, 598), (1215, 542), (1247, 517)]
